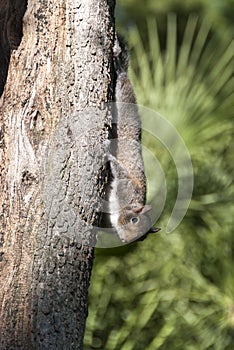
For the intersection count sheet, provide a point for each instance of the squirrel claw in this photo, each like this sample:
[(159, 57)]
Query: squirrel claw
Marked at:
[(154, 229), (151, 230)]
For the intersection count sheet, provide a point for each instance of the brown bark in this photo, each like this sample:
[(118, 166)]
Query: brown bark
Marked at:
[(51, 160)]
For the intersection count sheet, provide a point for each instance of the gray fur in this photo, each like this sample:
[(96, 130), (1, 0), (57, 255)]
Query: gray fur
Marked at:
[(128, 210)]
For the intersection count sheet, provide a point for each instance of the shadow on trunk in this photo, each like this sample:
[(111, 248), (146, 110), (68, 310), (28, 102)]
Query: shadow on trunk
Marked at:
[(11, 15)]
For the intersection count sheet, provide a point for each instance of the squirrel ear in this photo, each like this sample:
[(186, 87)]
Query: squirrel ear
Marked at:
[(144, 209)]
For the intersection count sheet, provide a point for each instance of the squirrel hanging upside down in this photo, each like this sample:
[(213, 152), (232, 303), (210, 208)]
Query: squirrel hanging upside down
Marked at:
[(127, 193)]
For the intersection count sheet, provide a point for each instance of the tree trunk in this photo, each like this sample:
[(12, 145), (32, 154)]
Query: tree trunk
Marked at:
[(53, 121)]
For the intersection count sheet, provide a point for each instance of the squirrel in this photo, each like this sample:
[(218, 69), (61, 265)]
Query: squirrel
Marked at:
[(127, 193)]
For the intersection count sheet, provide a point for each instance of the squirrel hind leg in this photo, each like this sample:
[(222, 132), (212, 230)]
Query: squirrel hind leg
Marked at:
[(121, 54)]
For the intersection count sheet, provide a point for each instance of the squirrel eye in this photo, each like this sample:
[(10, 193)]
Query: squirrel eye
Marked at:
[(134, 220)]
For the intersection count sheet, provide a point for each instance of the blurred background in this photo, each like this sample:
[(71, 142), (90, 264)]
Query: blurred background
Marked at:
[(176, 291)]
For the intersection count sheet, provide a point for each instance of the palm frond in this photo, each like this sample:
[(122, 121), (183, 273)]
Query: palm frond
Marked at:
[(175, 291)]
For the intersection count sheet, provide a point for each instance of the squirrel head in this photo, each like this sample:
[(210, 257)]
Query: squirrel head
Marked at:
[(134, 223)]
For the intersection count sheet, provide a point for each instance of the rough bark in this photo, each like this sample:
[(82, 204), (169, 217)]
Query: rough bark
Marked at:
[(52, 169)]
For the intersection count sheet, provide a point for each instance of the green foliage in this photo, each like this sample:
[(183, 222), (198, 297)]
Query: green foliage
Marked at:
[(220, 12), (175, 291)]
